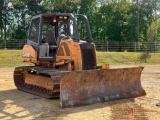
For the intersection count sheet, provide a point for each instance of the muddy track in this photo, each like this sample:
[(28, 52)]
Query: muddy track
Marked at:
[(15, 104)]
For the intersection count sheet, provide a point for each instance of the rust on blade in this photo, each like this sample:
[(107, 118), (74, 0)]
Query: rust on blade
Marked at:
[(80, 88)]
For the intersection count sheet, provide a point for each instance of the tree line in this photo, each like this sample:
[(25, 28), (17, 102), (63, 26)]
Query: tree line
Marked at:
[(110, 20)]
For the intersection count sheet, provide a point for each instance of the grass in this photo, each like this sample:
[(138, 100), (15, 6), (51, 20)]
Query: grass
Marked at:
[(127, 58), (12, 58)]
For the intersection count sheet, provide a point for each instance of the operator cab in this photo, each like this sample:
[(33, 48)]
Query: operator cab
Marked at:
[(54, 28), (46, 31)]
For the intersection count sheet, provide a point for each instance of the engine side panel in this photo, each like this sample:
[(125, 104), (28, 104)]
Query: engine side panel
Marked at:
[(70, 51), (29, 54)]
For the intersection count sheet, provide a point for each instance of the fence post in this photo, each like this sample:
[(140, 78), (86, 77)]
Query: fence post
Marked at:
[(155, 47), (135, 46), (107, 46), (18, 44), (5, 44)]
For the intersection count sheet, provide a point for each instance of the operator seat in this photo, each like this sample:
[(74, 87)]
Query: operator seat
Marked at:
[(51, 40)]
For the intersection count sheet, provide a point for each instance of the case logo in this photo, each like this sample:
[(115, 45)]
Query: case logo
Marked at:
[(27, 55)]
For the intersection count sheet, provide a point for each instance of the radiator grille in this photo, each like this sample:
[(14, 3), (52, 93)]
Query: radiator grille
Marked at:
[(88, 58)]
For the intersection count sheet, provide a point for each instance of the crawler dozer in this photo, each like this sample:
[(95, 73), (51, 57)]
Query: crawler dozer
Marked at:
[(65, 65)]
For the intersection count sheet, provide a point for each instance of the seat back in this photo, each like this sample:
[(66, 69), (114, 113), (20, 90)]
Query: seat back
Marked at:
[(50, 38)]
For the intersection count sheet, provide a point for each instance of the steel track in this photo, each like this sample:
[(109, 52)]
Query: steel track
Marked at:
[(38, 80)]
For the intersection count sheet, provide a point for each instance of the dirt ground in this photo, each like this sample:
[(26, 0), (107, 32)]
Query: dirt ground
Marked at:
[(15, 104)]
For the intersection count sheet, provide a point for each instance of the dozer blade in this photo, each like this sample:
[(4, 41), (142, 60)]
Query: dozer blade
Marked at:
[(90, 86)]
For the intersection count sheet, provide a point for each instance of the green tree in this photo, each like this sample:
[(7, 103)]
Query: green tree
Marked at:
[(1, 18), (62, 6), (118, 21), (115, 20), (22, 11), (153, 33)]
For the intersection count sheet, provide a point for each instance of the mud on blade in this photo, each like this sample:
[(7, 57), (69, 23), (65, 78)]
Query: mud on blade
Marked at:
[(87, 87)]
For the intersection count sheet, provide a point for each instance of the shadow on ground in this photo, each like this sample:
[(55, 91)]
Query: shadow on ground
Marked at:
[(144, 57), (15, 104)]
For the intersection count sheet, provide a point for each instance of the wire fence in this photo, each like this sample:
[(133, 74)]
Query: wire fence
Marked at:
[(108, 46), (12, 44), (111, 46)]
